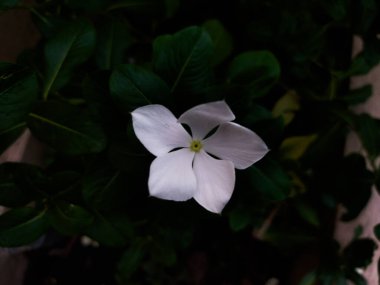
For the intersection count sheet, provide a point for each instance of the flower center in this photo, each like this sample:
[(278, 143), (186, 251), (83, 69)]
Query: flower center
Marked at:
[(195, 146)]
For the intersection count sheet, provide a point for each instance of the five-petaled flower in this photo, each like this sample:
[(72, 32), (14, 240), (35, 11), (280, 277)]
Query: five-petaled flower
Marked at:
[(185, 165)]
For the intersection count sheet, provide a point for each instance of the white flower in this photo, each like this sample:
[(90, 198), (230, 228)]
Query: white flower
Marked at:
[(184, 167)]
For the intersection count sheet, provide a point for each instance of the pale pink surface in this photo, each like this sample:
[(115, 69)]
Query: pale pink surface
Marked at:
[(370, 216)]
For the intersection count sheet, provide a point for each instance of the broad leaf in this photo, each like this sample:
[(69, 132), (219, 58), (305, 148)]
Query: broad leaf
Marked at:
[(376, 231), (133, 86), (269, 178), (367, 127), (93, 5), (239, 218), (68, 218), (352, 185), (183, 59), (294, 147), (359, 95), (368, 58), (364, 15), (257, 70), (359, 253), (287, 106), (171, 7), (112, 42), (135, 5), (66, 50), (18, 92), (221, 39), (7, 4), (130, 261), (9, 136), (103, 188), (18, 183), (21, 226), (111, 229), (66, 128)]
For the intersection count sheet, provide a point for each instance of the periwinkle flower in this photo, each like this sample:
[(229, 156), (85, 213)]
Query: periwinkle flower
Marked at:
[(185, 166)]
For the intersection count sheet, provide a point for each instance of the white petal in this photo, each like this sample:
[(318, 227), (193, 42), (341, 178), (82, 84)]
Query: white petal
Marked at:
[(215, 181), (236, 143), (172, 177), (203, 118), (158, 130)]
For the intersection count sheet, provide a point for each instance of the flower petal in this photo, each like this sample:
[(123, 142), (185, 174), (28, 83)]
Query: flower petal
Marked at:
[(172, 177), (236, 143), (215, 181), (158, 129), (203, 118)]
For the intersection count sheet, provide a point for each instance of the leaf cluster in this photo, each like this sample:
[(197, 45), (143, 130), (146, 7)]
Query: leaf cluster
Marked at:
[(282, 66)]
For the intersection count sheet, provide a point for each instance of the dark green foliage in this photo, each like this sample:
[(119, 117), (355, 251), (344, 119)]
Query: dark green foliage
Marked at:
[(184, 59), (66, 128), (359, 253), (353, 183), (269, 178), (17, 183), (18, 92), (283, 67), (113, 41), (67, 49), (258, 71), (132, 86), (21, 226), (6, 4), (68, 218)]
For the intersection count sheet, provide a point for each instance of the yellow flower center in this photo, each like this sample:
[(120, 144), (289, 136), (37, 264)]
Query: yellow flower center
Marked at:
[(195, 146)]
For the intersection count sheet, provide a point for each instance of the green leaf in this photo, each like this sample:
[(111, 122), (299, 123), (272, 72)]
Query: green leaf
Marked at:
[(7, 4), (111, 229), (66, 50), (308, 213), (112, 42), (68, 218), (239, 218), (21, 226), (293, 148), (356, 278), (368, 58), (171, 7), (358, 95), (132, 86), (130, 261), (337, 9), (66, 128), (18, 93), (183, 59), (93, 5), (221, 39), (16, 183), (62, 184), (309, 278), (257, 70), (367, 128), (364, 15), (134, 5), (9, 136), (163, 253), (269, 178), (100, 189), (352, 185), (268, 128), (376, 230), (359, 253), (287, 106)]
